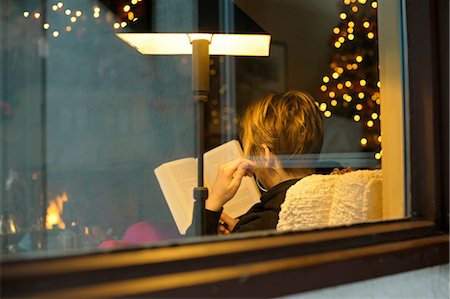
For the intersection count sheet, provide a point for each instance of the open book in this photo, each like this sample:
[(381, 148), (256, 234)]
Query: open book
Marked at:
[(178, 178)]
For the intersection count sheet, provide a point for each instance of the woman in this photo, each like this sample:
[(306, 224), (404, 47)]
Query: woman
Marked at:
[(275, 129)]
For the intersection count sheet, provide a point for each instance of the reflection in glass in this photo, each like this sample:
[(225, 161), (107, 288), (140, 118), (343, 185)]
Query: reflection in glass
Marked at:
[(85, 119)]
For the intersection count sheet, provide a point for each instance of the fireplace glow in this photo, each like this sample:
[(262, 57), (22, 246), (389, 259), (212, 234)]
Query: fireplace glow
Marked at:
[(54, 212)]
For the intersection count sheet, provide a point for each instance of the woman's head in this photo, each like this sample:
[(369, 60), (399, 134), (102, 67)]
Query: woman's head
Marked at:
[(287, 123)]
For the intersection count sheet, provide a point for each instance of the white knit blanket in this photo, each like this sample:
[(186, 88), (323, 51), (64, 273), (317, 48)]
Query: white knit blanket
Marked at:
[(331, 200)]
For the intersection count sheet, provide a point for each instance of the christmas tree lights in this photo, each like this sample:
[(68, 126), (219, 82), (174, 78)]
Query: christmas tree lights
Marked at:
[(351, 87)]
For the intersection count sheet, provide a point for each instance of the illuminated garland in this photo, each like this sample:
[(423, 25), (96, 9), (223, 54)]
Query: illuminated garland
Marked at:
[(126, 14)]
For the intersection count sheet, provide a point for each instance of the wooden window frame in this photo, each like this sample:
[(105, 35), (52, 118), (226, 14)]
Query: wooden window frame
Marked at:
[(268, 264)]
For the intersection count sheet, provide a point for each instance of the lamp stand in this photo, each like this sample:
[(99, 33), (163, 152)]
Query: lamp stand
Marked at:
[(200, 89)]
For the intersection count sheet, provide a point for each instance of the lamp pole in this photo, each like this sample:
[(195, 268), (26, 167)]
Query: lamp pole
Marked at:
[(200, 89)]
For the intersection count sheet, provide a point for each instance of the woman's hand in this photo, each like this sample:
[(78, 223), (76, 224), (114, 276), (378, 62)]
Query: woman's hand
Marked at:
[(226, 224), (227, 182)]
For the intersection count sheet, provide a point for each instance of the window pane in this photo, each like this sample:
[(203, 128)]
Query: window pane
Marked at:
[(86, 119)]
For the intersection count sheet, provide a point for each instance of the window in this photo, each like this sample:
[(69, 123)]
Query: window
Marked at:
[(242, 261)]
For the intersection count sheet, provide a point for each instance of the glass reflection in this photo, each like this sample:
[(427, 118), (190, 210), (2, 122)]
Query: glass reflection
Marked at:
[(85, 118)]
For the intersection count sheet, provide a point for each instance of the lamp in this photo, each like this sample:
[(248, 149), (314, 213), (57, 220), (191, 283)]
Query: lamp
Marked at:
[(243, 37)]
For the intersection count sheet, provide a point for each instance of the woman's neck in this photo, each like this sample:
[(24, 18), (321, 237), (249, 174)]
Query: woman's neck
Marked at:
[(276, 176)]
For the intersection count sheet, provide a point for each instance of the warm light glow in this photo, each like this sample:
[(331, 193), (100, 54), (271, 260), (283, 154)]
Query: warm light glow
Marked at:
[(334, 103), (327, 113), (350, 30), (347, 2), (343, 16), (68, 11), (374, 4), (351, 24), (337, 44), (131, 16), (336, 30), (355, 8), (323, 88), (379, 138), (123, 24), (370, 123), (46, 26), (354, 66), (347, 97), (323, 107), (340, 70), (349, 67), (26, 14), (348, 83), (331, 94), (374, 115), (362, 1), (60, 4), (378, 84), (116, 25), (126, 8), (68, 28), (351, 37), (55, 7), (335, 75), (97, 15), (340, 86), (370, 35), (78, 13), (326, 79), (341, 39), (366, 24), (362, 82), (361, 95), (359, 107), (180, 43), (134, 2), (73, 19), (54, 212), (363, 141), (378, 101), (378, 156), (97, 9), (359, 58), (55, 33), (37, 15), (356, 118)]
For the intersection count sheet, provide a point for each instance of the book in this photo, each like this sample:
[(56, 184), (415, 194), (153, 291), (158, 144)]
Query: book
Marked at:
[(177, 180)]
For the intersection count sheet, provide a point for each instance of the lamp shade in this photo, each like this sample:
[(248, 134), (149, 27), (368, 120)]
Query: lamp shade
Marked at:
[(227, 28), (180, 43)]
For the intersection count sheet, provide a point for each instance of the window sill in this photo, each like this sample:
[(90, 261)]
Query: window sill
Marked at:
[(249, 267)]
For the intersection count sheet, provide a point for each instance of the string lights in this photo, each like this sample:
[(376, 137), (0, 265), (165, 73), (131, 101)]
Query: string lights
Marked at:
[(127, 13), (351, 87)]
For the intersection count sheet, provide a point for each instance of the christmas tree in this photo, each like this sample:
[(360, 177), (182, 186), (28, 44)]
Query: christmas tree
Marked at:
[(351, 87)]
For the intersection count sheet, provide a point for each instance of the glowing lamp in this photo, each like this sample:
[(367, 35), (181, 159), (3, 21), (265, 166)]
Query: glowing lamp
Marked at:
[(239, 35)]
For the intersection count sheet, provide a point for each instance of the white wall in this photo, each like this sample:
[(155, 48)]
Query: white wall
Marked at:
[(426, 283)]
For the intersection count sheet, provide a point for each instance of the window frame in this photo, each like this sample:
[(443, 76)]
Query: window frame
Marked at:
[(268, 264)]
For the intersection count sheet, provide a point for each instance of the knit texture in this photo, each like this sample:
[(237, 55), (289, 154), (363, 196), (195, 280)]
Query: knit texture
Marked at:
[(332, 200)]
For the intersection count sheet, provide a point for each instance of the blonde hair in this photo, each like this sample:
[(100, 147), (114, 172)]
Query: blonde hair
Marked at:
[(288, 123)]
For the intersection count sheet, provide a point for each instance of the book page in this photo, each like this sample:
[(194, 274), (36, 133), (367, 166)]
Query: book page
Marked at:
[(247, 194), (177, 180)]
